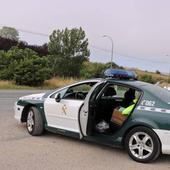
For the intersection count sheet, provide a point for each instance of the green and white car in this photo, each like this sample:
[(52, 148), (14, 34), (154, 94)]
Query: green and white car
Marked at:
[(84, 110)]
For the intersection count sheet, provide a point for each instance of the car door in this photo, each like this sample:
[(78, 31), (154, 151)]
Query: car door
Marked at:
[(84, 110), (54, 111), (64, 113)]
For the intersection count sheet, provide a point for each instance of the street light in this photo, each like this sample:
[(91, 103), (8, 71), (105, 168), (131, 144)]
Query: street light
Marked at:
[(167, 55), (110, 38)]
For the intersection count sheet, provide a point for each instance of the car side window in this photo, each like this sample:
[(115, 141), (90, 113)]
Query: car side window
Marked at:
[(121, 90), (120, 95), (78, 92), (115, 91)]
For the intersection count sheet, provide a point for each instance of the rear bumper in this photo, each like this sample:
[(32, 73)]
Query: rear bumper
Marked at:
[(164, 136), (18, 111)]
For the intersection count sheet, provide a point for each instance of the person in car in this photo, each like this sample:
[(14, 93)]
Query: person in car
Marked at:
[(128, 110), (129, 96), (120, 114)]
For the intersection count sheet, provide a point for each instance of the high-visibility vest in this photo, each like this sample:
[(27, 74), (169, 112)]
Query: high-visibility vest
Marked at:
[(129, 109)]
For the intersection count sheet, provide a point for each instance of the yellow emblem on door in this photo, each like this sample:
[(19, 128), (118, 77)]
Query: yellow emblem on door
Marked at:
[(64, 108)]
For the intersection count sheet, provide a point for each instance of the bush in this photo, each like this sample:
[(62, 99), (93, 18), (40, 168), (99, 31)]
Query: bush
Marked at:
[(32, 72), (91, 70), (94, 70), (24, 66), (169, 80), (147, 78), (158, 72)]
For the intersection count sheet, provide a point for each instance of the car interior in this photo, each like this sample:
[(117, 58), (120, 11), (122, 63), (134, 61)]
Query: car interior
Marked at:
[(113, 97), (78, 92)]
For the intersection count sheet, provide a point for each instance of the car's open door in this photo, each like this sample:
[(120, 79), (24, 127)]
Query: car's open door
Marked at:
[(84, 110)]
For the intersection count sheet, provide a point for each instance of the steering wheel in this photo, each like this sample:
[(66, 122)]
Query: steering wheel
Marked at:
[(80, 95)]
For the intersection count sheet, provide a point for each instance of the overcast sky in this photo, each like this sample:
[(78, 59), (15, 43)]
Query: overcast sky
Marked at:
[(140, 29)]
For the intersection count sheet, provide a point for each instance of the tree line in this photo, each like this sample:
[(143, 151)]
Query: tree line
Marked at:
[(66, 54)]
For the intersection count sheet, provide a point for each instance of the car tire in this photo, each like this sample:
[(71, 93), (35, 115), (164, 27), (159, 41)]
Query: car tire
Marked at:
[(34, 123), (142, 144)]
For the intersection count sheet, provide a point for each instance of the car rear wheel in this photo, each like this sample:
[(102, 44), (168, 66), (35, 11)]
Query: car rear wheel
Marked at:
[(34, 124), (142, 144)]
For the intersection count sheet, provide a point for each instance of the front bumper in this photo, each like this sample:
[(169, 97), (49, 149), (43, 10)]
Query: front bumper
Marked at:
[(18, 111), (164, 136)]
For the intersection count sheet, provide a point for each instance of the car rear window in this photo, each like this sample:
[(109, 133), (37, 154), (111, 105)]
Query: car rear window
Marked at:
[(159, 92)]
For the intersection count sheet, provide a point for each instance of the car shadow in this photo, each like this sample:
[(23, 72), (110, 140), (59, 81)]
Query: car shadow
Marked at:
[(161, 159)]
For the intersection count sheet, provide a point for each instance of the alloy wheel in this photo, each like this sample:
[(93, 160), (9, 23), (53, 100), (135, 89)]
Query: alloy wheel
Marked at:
[(141, 145), (30, 121)]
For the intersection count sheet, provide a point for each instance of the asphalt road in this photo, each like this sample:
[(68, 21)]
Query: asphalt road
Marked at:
[(19, 150)]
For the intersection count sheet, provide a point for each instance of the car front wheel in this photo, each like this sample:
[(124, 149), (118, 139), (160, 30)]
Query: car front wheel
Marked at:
[(142, 144), (34, 124)]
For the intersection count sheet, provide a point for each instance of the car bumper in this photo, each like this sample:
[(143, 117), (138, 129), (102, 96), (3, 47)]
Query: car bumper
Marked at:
[(164, 136), (18, 111)]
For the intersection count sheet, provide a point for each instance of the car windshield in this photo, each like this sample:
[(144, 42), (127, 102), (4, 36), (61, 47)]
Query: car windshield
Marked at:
[(48, 93)]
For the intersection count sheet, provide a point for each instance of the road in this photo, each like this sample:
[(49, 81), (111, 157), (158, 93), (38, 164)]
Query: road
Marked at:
[(19, 150)]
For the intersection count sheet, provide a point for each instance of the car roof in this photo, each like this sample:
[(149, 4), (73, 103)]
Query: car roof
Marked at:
[(151, 88), (134, 83)]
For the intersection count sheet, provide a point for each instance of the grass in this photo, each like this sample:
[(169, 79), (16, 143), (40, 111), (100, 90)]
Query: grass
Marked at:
[(53, 83), (57, 82), (164, 80), (158, 77), (12, 85)]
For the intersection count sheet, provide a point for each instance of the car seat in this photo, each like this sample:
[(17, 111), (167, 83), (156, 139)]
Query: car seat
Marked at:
[(129, 96), (110, 92), (106, 105)]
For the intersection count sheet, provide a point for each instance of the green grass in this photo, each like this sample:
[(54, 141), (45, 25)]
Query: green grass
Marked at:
[(12, 85), (53, 83), (57, 82)]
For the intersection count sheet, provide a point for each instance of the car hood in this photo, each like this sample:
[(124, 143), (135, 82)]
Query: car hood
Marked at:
[(38, 96)]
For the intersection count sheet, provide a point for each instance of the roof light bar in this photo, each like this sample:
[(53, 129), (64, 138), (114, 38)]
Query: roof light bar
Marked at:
[(120, 74)]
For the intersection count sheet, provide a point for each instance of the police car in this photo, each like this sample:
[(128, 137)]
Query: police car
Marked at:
[(86, 110)]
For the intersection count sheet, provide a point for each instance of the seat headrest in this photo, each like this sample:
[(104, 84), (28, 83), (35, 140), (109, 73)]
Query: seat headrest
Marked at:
[(110, 92), (129, 94)]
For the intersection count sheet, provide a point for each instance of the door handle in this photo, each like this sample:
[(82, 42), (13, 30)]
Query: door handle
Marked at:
[(85, 112)]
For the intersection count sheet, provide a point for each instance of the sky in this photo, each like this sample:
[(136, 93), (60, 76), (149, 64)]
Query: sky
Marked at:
[(140, 29)]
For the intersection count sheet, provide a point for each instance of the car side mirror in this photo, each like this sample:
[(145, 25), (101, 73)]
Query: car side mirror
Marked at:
[(58, 97)]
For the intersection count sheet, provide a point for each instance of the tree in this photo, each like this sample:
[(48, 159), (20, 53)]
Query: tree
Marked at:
[(68, 49), (9, 33), (6, 44), (24, 66)]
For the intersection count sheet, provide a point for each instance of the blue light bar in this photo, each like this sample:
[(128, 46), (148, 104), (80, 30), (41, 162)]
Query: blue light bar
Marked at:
[(120, 74)]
